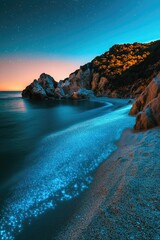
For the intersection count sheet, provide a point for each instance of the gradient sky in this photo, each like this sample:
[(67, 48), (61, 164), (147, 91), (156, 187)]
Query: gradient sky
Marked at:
[(57, 36)]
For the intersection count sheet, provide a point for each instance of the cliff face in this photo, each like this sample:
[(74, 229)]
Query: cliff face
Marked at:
[(124, 71), (147, 106), (127, 69)]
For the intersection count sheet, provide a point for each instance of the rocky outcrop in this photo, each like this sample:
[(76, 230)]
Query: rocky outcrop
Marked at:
[(40, 89), (34, 91), (82, 94), (147, 106), (124, 71), (77, 86)]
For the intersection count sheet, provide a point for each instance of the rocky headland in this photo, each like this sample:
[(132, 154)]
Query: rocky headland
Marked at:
[(122, 72), (123, 200)]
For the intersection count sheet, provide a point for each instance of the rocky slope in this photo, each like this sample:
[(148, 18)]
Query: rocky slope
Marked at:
[(122, 203), (124, 71), (147, 106)]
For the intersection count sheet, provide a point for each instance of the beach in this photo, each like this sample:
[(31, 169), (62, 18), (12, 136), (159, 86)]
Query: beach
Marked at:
[(80, 120), (123, 200), (91, 177), (55, 149)]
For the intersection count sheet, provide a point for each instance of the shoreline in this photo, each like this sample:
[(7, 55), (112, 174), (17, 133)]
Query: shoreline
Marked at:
[(122, 201), (61, 215), (96, 126)]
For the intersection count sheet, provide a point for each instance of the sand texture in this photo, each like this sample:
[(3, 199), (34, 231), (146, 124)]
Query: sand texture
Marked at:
[(124, 199)]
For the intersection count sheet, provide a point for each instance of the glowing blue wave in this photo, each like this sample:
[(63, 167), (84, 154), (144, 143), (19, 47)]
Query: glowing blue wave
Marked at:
[(61, 168)]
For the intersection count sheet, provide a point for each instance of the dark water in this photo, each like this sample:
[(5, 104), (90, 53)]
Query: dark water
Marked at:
[(47, 154), (24, 123)]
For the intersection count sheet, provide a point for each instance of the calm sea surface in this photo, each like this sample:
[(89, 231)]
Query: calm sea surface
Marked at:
[(48, 152), (23, 124)]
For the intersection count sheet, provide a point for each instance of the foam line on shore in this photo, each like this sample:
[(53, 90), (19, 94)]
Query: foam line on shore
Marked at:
[(61, 168)]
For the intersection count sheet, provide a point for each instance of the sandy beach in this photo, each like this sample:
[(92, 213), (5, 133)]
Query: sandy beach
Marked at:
[(62, 164), (123, 201), (120, 199)]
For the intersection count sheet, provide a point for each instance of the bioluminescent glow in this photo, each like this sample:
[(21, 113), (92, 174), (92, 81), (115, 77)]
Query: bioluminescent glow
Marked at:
[(61, 168)]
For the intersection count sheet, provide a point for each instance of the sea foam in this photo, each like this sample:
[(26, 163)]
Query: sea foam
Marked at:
[(61, 168)]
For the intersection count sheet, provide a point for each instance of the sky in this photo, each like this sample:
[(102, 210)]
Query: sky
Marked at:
[(57, 36)]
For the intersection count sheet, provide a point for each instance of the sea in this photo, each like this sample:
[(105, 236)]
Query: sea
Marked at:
[(49, 152)]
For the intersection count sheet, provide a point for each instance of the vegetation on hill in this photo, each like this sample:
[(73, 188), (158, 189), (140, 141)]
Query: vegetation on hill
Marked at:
[(123, 71), (128, 68)]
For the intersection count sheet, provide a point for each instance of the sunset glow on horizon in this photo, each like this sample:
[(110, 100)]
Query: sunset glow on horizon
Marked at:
[(17, 73), (59, 36)]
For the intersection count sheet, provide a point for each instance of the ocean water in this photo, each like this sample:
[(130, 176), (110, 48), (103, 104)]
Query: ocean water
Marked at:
[(48, 153)]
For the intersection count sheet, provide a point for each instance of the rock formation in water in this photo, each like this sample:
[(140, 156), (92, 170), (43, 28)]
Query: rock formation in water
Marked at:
[(124, 71), (40, 89), (147, 106)]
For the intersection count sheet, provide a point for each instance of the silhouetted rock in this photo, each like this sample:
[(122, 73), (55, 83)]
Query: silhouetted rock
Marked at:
[(147, 106)]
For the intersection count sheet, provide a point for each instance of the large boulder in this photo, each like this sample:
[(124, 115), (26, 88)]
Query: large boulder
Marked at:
[(80, 79), (145, 120), (40, 89), (59, 92), (34, 91), (147, 106), (82, 94), (48, 83), (151, 92)]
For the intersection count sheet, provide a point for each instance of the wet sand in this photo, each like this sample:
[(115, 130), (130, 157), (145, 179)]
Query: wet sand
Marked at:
[(123, 201), (60, 169)]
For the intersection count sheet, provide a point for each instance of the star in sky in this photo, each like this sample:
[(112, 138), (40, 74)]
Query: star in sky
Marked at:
[(74, 29)]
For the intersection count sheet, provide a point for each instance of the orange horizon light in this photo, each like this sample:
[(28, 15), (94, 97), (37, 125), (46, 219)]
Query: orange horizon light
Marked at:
[(16, 73)]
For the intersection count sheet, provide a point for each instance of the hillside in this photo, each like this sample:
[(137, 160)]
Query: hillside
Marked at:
[(123, 71)]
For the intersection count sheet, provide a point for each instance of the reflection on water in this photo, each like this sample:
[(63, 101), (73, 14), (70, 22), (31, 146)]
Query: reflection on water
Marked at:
[(16, 105), (11, 102)]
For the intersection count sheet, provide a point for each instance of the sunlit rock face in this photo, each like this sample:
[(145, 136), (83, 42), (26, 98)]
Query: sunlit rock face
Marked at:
[(147, 106), (81, 78), (94, 82), (124, 71)]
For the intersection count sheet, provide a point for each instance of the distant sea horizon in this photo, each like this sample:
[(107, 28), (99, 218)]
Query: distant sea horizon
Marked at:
[(11, 90)]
